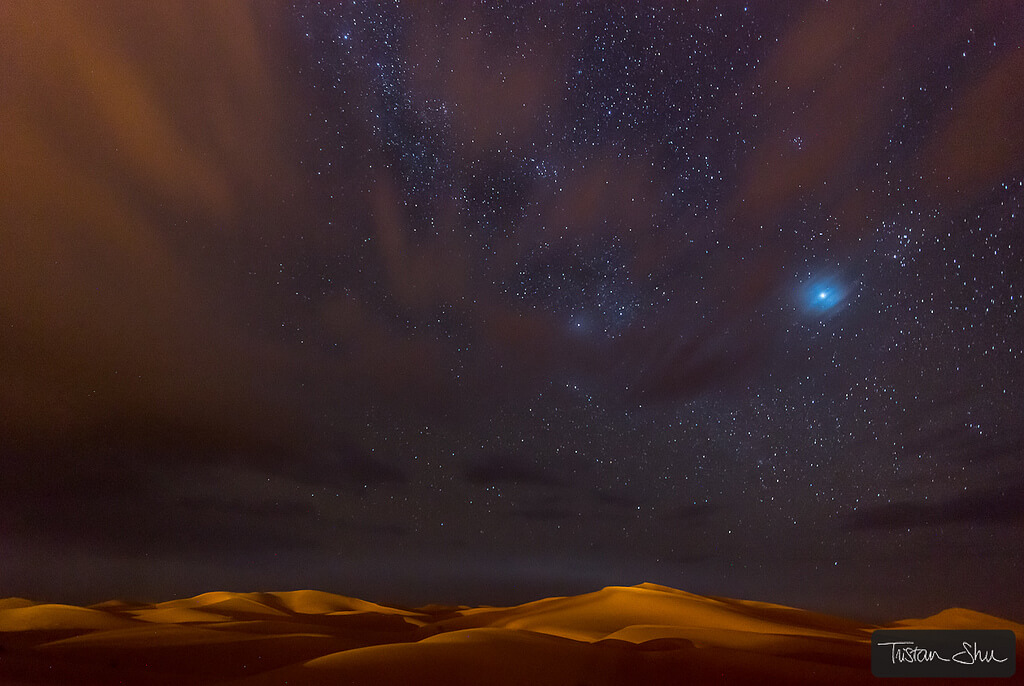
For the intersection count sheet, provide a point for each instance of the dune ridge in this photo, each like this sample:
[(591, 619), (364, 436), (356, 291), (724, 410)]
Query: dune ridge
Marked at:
[(647, 634)]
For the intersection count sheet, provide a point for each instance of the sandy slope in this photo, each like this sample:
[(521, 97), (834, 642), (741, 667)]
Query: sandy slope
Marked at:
[(643, 634), (58, 617), (959, 618)]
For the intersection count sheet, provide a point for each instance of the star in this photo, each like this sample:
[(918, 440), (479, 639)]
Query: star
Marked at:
[(824, 294)]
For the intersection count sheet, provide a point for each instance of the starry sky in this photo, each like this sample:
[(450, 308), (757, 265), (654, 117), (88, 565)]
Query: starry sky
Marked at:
[(484, 301)]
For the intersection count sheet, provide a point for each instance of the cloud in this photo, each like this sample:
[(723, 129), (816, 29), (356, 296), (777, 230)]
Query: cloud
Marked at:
[(496, 78), (832, 82), (548, 513), (977, 507), (360, 468), (618, 499), (141, 523), (685, 366), (509, 468), (118, 503), (127, 161), (960, 444), (689, 512), (979, 142)]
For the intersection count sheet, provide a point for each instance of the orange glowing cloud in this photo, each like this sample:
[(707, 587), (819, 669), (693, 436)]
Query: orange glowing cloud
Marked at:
[(982, 140), (135, 136)]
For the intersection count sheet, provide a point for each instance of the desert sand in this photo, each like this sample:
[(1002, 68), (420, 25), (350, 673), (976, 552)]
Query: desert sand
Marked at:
[(644, 634)]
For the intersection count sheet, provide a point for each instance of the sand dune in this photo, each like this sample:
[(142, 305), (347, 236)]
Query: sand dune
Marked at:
[(58, 617), (12, 603), (644, 634), (596, 615), (319, 602), (960, 618), (228, 604)]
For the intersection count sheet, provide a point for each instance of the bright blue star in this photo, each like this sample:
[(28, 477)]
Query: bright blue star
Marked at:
[(823, 294)]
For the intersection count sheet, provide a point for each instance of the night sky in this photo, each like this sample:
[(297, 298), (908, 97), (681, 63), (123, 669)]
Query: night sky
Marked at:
[(489, 301)]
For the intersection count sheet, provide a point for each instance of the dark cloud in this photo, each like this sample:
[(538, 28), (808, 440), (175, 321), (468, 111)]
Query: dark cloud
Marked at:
[(689, 557), (618, 499), (994, 505), (256, 509), (959, 443), (550, 513), (363, 470), (509, 468), (143, 524), (686, 367), (689, 512), (379, 531), (136, 510)]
